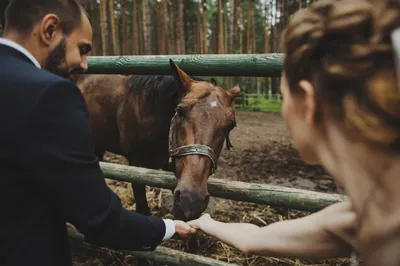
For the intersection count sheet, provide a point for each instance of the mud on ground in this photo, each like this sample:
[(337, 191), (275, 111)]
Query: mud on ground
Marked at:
[(262, 153)]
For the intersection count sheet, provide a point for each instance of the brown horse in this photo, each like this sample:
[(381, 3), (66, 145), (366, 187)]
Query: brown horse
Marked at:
[(175, 123)]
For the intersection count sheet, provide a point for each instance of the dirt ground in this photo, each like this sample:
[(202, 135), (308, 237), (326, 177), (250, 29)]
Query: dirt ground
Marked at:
[(262, 153)]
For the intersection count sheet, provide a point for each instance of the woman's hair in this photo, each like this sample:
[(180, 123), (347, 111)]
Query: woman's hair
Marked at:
[(344, 48)]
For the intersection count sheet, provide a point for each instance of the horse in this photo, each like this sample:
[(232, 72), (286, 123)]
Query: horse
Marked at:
[(175, 122)]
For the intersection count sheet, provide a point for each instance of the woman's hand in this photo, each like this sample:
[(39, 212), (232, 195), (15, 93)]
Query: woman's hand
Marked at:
[(199, 223)]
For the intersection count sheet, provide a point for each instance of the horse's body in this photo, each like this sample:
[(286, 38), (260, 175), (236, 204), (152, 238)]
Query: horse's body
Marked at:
[(131, 116), (105, 110)]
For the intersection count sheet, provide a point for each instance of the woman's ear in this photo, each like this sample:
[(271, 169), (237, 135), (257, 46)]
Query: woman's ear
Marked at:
[(310, 101)]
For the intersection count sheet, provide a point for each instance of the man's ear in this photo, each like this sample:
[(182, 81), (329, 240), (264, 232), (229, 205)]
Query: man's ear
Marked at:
[(48, 29), (310, 101)]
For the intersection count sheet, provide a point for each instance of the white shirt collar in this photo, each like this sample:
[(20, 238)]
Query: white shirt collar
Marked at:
[(20, 48)]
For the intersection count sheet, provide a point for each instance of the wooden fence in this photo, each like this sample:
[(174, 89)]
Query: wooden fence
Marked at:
[(254, 65), (251, 65), (163, 255), (243, 65), (291, 198)]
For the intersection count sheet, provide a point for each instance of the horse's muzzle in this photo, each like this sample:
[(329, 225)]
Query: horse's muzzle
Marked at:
[(189, 204)]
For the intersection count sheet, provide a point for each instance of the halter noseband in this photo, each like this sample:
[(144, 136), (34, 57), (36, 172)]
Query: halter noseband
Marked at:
[(192, 149)]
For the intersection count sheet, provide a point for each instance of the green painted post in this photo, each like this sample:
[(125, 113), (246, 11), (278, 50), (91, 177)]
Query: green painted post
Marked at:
[(250, 65)]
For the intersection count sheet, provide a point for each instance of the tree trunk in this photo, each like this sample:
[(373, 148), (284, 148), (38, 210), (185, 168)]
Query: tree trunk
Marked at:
[(240, 18), (225, 29), (172, 30), (149, 27), (113, 47), (144, 27), (124, 32), (220, 29), (205, 28), (135, 29), (157, 29), (253, 30), (177, 28), (199, 32), (103, 27), (164, 28), (185, 27), (181, 27), (267, 27), (249, 31), (233, 27)]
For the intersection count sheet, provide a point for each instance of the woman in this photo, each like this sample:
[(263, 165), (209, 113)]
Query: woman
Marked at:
[(342, 108)]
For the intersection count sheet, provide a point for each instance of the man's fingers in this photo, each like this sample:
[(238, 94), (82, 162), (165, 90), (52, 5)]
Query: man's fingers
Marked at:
[(192, 231), (186, 233), (189, 231)]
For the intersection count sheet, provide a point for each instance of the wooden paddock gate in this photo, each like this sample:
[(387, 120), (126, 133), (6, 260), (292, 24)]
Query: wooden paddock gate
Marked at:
[(254, 65), (291, 198)]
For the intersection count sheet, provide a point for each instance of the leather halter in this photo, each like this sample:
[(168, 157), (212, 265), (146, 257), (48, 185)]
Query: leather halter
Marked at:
[(192, 149)]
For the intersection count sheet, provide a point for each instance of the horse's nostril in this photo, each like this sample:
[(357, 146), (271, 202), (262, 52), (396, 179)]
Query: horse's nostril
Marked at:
[(177, 196)]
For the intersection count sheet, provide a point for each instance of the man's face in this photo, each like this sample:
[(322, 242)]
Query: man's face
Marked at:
[(55, 63), (69, 56)]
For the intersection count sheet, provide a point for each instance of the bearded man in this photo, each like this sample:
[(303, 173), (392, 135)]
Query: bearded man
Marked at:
[(49, 172)]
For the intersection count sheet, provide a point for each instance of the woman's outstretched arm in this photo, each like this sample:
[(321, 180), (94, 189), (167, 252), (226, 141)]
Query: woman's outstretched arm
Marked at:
[(324, 234)]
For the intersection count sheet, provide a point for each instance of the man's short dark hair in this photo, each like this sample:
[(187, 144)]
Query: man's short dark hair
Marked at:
[(23, 15)]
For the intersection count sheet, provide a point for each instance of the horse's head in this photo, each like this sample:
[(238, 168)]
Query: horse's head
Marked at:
[(203, 120)]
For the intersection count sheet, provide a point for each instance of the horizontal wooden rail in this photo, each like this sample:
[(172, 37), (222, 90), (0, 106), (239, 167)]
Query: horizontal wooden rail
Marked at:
[(163, 255), (249, 192), (251, 65)]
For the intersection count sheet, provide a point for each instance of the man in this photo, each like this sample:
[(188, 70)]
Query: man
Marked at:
[(49, 172)]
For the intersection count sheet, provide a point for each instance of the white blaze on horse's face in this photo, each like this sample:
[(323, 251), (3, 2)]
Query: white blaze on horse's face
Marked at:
[(213, 104)]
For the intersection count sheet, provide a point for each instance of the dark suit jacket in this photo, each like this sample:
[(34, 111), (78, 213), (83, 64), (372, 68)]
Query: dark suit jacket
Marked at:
[(49, 173)]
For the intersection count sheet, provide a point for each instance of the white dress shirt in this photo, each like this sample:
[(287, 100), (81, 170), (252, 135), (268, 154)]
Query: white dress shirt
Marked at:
[(169, 224)]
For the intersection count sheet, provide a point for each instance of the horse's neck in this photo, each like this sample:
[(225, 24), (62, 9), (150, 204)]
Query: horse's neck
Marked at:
[(155, 120)]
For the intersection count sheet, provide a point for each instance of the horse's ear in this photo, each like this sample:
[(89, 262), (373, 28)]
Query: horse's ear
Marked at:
[(213, 81), (234, 92), (180, 75)]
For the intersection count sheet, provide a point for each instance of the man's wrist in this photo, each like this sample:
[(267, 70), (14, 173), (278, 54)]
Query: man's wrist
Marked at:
[(169, 228)]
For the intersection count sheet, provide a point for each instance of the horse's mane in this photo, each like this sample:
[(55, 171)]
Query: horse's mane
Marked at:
[(162, 92)]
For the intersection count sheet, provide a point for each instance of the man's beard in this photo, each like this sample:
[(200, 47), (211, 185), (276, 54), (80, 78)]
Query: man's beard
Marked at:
[(56, 59)]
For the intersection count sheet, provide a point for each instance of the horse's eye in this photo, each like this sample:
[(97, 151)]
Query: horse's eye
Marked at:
[(179, 110)]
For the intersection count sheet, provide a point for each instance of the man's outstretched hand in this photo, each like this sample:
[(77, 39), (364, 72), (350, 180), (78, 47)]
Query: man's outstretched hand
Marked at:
[(183, 230)]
